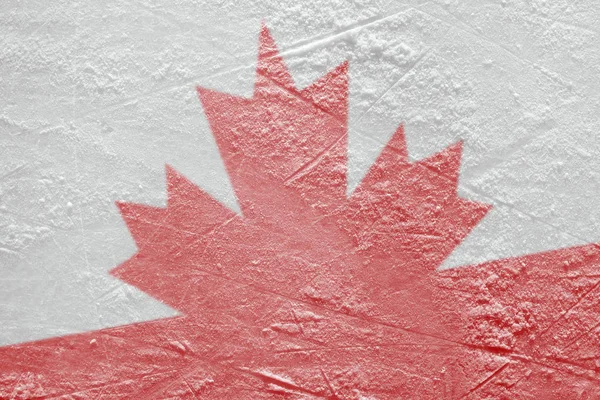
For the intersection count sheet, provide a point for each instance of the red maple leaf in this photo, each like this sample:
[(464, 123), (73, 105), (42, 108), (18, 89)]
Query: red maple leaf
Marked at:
[(312, 294)]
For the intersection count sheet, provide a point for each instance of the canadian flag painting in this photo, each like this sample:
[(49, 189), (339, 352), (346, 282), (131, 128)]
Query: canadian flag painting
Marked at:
[(300, 200)]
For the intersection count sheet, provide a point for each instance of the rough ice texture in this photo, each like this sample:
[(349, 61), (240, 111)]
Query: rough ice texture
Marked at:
[(306, 292), (95, 99)]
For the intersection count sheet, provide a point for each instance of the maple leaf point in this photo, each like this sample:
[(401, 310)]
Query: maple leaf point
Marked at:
[(310, 293)]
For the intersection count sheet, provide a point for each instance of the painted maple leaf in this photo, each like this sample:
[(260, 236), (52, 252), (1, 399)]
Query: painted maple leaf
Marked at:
[(310, 293)]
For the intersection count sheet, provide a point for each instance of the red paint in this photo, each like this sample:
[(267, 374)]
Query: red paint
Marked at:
[(311, 294)]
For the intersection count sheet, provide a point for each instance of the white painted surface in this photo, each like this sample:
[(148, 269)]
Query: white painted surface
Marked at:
[(95, 97)]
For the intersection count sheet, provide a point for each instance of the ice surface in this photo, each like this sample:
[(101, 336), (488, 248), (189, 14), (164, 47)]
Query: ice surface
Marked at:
[(97, 96)]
